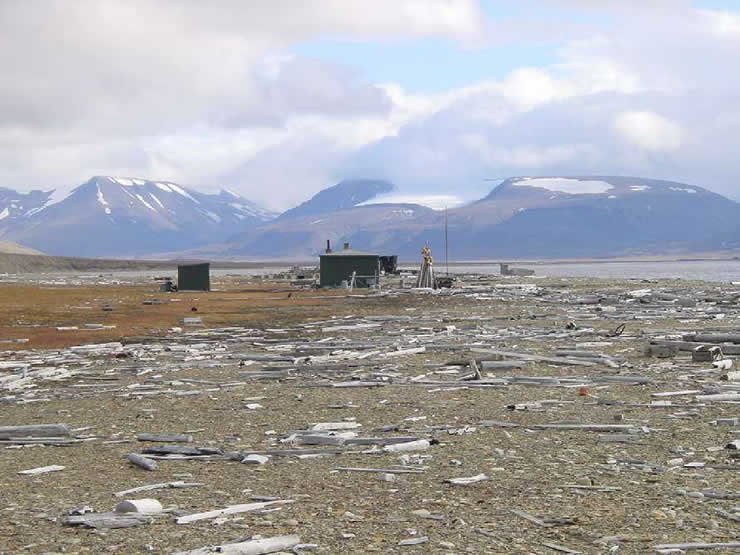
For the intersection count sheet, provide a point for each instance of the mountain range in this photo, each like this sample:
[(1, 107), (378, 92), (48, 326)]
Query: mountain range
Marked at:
[(114, 216), (522, 217)]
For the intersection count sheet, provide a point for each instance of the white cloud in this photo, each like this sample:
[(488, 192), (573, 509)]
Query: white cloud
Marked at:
[(141, 84), (648, 130), (725, 24), (210, 97)]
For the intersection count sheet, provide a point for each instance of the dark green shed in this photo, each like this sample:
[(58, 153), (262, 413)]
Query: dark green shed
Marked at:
[(194, 277), (336, 267)]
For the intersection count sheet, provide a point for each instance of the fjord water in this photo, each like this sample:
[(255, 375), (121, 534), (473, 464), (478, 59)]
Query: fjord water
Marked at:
[(706, 270)]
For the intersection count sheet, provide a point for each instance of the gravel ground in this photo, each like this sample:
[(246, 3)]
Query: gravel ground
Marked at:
[(630, 496)]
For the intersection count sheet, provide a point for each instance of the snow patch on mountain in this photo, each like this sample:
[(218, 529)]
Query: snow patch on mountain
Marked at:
[(101, 198), (566, 185), (125, 181), (181, 191), (155, 199), (435, 202), (145, 203)]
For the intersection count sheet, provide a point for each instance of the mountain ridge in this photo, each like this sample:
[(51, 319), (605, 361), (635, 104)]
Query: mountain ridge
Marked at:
[(126, 216), (545, 217), (540, 216), (348, 193)]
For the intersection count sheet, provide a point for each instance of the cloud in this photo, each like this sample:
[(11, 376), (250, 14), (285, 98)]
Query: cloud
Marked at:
[(109, 83), (214, 97), (648, 130), (643, 94)]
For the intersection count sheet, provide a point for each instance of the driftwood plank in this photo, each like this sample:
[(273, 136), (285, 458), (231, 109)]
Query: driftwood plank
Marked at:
[(142, 462), (40, 430), (230, 510), (162, 485), (251, 547), (166, 438), (382, 470)]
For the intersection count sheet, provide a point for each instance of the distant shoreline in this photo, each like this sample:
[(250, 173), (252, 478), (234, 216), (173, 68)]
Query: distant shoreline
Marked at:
[(11, 263)]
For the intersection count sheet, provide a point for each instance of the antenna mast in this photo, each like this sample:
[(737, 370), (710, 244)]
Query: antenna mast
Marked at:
[(447, 260)]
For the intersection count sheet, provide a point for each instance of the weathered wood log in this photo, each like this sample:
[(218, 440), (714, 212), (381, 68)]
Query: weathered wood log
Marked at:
[(262, 546), (586, 427), (157, 486), (530, 518), (40, 441), (231, 510), (497, 424), (255, 459), (357, 383), (382, 470), (36, 431), (727, 515), (142, 462), (575, 353), (173, 449), (466, 481), (718, 397), (379, 440), (238, 456), (535, 358), (618, 438), (166, 438), (107, 520), (476, 371), (418, 445), (696, 546), (713, 337), (561, 549), (333, 426), (42, 470), (414, 541), (486, 365), (320, 439), (691, 345)]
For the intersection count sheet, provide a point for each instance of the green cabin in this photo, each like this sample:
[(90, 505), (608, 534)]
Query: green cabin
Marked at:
[(194, 277), (336, 267)]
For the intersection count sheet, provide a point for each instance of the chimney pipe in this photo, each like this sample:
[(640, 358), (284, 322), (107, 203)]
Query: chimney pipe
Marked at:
[(346, 246), (328, 246)]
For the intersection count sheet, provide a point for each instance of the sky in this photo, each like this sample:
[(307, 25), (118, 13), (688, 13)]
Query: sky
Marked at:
[(277, 100)]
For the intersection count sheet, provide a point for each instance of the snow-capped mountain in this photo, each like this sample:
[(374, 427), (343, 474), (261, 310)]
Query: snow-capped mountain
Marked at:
[(344, 195), (522, 217), (116, 216), (345, 209), (15, 205)]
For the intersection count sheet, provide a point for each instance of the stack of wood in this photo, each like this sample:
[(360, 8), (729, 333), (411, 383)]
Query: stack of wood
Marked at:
[(426, 271)]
